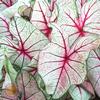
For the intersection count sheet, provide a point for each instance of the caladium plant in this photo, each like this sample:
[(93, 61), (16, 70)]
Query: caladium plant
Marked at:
[(49, 49)]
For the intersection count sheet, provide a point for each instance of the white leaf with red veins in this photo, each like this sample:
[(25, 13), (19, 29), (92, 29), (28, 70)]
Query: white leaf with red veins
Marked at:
[(28, 44), (93, 63), (78, 93), (60, 66), (43, 14), (4, 4), (83, 24)]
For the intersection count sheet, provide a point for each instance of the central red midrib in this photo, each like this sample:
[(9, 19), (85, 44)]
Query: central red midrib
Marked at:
[(20, 50), (80, 26), (84, 21), (23, 51), (64, 61), (21, 47), (46, 30), (82, 33)]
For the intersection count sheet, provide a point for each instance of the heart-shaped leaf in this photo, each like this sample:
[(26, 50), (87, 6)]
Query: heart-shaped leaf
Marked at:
[(27, 44), (61, 66)]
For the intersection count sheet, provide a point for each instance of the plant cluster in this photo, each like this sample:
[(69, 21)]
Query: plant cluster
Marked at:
[(49, 49)]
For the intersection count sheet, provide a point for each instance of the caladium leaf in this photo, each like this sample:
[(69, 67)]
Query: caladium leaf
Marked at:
[(78, 93), (43, 14), (93, 63), (82, 24), (61, 66), (27, 87), (6, 3), (28, 44)]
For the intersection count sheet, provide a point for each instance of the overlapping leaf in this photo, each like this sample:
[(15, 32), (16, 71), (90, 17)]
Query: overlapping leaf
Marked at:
[(93, 66), (27, 87), (43, 14), (27, 45), (81, 23)]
